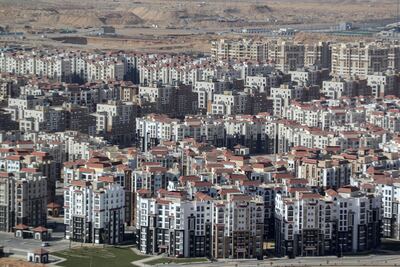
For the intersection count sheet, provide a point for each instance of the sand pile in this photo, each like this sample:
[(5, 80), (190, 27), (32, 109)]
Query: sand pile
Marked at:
[(121, 18), (157, 15), (69, 20)]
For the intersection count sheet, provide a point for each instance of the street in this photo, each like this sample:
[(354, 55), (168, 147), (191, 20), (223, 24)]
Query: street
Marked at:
[(22, 246), (369, 260)]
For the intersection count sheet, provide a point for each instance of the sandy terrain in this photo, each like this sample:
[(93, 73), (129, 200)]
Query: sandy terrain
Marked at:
[(173, 25), (181, 13)]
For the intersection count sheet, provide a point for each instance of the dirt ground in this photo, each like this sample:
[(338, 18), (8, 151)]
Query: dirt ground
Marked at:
[(181, 14), (171, 25), (10, 262)]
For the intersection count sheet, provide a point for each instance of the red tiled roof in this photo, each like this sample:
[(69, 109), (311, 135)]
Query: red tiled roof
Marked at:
[(298, 189), (157, 169), (225, 191), (250, 183), (163, 201), (201, 196), (30, 170), (237, 176), (240, 197), (331, 192), (143, 191), (21, 227), (201, 184), (5, 174), (187, 178), (40, 229), (86, 170), (98, 165), (6, 150), (108, 179), (53, 205), (348, 189), (40, 251), (283, 175), (296, 181), (14, 157), (39, 153), (80, 183), (309, 195)]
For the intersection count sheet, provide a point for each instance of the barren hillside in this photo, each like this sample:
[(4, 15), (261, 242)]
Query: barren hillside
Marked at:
[(174, 13), (173, 25)]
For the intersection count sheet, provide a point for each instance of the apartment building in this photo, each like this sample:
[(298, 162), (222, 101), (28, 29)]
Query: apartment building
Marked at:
[(41, 118), (56, 68), (238, 227), (242, 50), (6, 122), (78, 118), (105, 70), (389, 120), (282, 96), (383, 84), (9, 86), (390, 193), (309, 114), (345, 87), (87, 96), (287, 56), (94, 211), (23, 199), (173, 224), (329, 173), (362, 59), (309, 76), (247, 131), (264, 82), (205, 91), (308, 224), (200, 182), (17, 106), (161, 97), (52, 67), (153, 177), (154, 128), (115, 121), (230, 103), (317, 55)]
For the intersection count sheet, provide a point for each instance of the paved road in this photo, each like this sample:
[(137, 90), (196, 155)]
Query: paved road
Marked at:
[(22, 246), (370, 260), (142, 262)]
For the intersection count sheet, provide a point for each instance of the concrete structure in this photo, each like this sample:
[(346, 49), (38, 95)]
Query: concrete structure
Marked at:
[(19, 203), (308, 224), (115, 121), (94, 211), (243, 50)]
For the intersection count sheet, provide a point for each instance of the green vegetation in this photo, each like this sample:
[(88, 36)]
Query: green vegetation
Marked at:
[(176, 260), (98, 257)]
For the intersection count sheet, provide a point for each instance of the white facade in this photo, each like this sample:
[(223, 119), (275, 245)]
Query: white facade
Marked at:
[(94, 212)]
